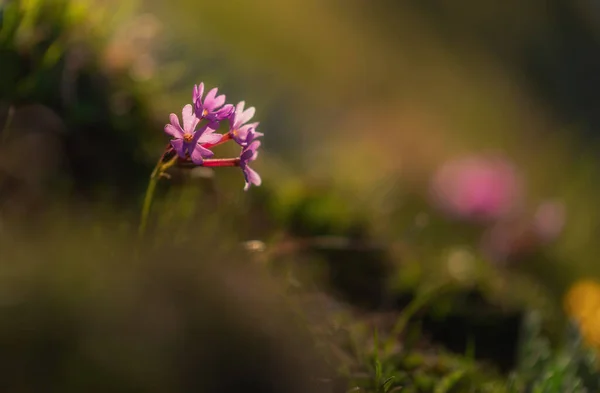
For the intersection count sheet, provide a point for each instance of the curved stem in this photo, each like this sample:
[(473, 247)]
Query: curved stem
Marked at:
[(148, 198), (159, 169)]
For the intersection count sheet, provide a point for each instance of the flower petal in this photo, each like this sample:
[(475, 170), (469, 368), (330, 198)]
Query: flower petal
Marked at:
[(199, 153), (246, 156), (252, 125), (254, 145), (224, 112), (190, 121), (178, 146), (173, 131), (217, 102), (247, 127), (198, 108), (198, 134), (239, 108), (175, 120), (252, 177), (198, 92), (240, 136), (210, 138), (210, 96), (246, 115)]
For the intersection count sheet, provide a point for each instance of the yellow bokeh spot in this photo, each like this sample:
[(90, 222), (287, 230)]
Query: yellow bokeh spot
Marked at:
[(582, 303)]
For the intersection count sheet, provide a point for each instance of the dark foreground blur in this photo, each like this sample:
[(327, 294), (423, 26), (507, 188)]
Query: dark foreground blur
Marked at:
[(80, 312)]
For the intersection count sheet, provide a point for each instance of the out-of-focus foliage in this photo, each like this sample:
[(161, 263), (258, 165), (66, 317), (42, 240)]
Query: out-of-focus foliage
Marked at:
[(540, 369), (64, 81)]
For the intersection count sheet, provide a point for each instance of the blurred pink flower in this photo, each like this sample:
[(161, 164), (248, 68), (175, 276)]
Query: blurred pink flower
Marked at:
[(525, 233), (477, 188), (549, 220)]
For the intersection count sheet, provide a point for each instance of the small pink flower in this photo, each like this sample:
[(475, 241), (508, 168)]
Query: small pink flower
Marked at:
[(187, 140), (212, 106)]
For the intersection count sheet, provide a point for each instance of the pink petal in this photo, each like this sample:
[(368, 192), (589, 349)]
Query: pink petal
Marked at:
[(246, 115), (248, 127), (210, 138), (219, 101), (198, 91), (199, 153), (254, 145), (251, 125), (253, 178), (200, 132), (173, 131), (239, 108), (178, 147), (190, 121), (224, 112), (174, 120), (211, 95), (242, 134)]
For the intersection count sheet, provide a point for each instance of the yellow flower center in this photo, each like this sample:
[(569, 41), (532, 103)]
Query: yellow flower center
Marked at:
[(204, 113), (187, 138)]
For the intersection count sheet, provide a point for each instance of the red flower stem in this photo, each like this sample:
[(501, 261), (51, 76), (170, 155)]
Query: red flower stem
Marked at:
[(221, 162), (224, 138)]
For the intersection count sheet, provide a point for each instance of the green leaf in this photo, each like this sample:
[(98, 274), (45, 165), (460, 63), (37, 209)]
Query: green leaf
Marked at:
[(449, 381)]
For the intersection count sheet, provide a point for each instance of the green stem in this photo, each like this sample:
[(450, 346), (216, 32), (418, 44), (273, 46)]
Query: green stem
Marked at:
[(148, 198), (158, 171)]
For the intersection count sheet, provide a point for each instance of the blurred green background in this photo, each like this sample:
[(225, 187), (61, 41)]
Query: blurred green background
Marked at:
[(409, 145)]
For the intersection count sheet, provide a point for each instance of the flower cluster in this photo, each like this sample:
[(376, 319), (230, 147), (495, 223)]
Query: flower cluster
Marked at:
[(196, 135)]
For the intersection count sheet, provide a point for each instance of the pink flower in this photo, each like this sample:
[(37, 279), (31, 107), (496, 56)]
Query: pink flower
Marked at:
[(187, 140), (477, 188)]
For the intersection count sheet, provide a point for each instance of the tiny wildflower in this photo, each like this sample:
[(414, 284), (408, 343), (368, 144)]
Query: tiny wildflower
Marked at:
[(188, 140), (211, 108), (249, 153), (192, 146), (238, 129), (193, 139)]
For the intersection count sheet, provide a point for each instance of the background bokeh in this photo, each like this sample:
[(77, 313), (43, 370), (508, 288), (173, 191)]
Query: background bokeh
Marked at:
[(409, 146)]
